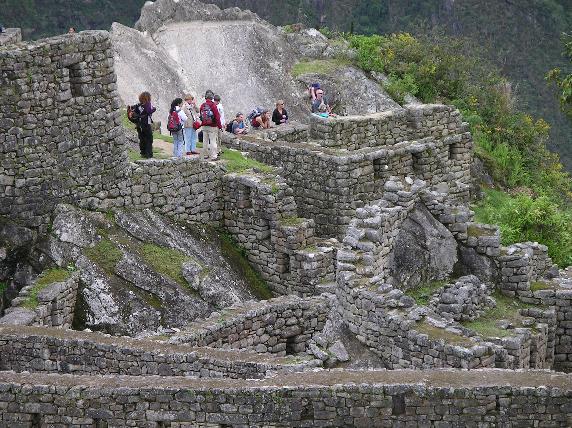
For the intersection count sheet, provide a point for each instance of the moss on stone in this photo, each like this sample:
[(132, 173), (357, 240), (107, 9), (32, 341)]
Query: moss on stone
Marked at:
[(105, 254), (423, 293), (541, 285), (238, 259), (291, 221), (478, 231), (166, 261), (46, 278)]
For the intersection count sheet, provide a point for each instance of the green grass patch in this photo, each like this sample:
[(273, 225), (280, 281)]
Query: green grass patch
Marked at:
[(423, 294), (318, 66), (507, 308), (105, 254), (3, 287), (436, 333), (236, 162), (166, 261), (46, 278), (134, 155), (239, 260), (158, 136)]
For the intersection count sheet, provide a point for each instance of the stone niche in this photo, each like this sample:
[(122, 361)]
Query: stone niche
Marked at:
[(424, 250)]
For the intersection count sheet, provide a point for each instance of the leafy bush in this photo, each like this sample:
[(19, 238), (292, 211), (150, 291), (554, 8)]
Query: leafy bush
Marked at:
[(524, 218)]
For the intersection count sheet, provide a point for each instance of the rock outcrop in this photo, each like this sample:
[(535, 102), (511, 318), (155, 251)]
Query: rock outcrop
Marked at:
[(135, 270), (188, 46)]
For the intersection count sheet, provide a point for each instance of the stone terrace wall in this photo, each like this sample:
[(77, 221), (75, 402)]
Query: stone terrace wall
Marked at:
[(279, 326), (185, 189), (351, 399), (60, 125), (356, 178), (56, 304), (79, 353), (388, 128), (10, 36), (260, 213)]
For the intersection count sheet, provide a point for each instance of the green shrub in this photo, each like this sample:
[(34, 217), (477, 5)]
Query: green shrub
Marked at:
[(524, 218)]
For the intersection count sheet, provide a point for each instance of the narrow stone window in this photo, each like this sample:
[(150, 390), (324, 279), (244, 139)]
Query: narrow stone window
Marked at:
[(380, 169), (99, 423), (74, 72), (285, 263), (398, 404), (454, 151), (244, 199), (416, 164), (36, 420), (291, 345), (163, 424)]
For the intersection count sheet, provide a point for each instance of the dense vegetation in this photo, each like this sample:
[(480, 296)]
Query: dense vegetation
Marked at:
[(563, 81), (537, 202)]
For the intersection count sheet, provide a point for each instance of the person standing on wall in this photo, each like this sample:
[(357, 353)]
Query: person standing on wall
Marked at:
[(210, 120), (190, 131), (145, 110)]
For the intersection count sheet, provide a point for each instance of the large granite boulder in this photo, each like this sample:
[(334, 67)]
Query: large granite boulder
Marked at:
[(424, 250)]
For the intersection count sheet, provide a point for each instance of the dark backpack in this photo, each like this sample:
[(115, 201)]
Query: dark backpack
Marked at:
[(207, 115), (133, 114), (257, 111), (174, 122), (229, 126)]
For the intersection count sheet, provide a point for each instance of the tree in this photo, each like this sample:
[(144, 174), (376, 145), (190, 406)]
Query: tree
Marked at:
[(564, 82)]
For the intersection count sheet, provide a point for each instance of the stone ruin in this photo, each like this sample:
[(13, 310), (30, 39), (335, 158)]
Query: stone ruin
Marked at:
[(357, 215)]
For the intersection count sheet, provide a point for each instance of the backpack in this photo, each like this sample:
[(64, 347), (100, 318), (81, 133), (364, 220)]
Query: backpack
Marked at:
[(174, 122), (133, 114), (255, 113), (207, 115), (229, 126)]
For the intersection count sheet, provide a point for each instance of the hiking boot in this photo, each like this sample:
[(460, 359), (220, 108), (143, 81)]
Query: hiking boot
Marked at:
[(194, 152), (189, 153)]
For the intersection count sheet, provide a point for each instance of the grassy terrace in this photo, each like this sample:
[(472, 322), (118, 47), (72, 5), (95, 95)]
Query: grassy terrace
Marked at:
[(507, 308), (423, 294), (46, 278), (437, 333), (318, 66), (235, 161)]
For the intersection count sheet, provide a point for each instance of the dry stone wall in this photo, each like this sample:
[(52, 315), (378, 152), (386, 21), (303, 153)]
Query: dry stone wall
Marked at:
[(43, 350), (54, 305), (281, 326), (60, 126), (261, 215), (429, 143), (352, 399), (10, 36)]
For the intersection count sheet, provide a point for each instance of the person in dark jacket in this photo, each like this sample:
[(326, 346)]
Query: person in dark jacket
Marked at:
[(280, 115), (144, 131)]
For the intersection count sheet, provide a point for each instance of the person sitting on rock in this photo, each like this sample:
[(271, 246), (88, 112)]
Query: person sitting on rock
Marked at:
[(312, 90), (320, 104), (280, 115), (262, 121), (238, 125)]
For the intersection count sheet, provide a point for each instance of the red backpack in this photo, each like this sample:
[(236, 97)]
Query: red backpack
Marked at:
[(174, 123)]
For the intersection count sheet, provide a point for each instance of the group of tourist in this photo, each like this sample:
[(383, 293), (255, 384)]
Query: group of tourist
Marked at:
[(186, 118)]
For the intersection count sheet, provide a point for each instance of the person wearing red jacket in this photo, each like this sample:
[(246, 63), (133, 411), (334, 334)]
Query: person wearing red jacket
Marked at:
[(210, 120)]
